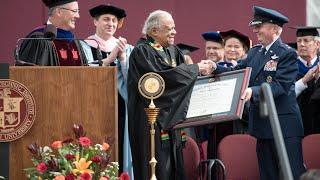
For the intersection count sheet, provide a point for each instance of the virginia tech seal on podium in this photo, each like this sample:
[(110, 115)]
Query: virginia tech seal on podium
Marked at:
[(17, 110)]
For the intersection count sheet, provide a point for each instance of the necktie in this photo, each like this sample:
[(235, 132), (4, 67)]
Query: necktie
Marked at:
[(263, 50), (309, 64)]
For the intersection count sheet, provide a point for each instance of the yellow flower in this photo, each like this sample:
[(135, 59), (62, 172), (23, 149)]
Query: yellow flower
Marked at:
[(82, 166)]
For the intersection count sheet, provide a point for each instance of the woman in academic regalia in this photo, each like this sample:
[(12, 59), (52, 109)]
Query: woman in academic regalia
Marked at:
[(236, 46)]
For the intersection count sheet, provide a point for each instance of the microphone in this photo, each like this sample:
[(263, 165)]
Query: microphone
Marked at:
[(98, 53), (50, 31)]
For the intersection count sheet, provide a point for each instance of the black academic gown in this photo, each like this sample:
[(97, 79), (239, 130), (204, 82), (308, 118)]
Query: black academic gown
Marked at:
[(306, 106), (173, 106), (44, 52), (314, 105)]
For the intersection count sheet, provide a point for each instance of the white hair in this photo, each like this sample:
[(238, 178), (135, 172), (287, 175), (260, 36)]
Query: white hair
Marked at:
[(153, 20)]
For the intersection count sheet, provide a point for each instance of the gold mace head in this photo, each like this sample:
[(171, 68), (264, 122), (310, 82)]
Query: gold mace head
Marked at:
[(152, 114)]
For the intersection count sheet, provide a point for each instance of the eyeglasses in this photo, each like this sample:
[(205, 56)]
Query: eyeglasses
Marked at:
[(74, 11), (305, 40)]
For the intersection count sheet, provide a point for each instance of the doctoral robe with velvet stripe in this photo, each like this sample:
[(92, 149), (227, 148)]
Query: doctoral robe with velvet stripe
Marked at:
[(64, 50)]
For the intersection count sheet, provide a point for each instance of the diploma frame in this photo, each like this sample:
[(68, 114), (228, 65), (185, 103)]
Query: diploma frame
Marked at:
[(242, 81)]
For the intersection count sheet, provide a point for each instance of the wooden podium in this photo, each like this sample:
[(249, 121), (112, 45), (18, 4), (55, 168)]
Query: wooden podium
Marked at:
[(65, 96)]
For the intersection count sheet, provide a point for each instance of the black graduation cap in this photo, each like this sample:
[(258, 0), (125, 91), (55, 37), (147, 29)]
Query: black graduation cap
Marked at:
[(107, 9), (53, 3), (212, 36), (236, 34), (187, 49), (262, 15), (306, 31)]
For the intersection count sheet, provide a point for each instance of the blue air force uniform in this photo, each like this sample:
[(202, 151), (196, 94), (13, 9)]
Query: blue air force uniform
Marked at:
[(278, 67)]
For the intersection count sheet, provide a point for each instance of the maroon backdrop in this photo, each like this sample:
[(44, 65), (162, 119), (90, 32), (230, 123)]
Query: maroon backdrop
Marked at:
[(18, 18)]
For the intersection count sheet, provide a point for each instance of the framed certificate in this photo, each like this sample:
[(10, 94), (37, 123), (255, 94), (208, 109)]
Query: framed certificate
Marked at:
[(217, 98)]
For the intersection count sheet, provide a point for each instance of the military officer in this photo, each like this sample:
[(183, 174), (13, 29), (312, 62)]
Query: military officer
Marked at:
[(275, 63)]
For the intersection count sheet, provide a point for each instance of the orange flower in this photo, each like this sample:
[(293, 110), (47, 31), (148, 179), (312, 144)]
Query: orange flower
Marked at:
[(56, 145), (105, 146), (82, 166), (60, 177)]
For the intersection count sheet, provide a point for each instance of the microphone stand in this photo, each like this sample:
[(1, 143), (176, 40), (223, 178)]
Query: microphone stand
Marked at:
[(98, 54), (268, 108)]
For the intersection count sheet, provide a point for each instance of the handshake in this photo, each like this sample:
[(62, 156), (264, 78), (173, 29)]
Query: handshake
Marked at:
[(206, 67)]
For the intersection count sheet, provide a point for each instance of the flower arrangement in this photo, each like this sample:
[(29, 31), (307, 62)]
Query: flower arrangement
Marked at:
[(74, 159)]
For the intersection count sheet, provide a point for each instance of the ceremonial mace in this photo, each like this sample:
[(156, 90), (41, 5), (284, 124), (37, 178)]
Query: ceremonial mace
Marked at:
[(151, 86)]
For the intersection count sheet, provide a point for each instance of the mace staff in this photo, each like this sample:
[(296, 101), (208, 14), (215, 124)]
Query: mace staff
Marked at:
[(151, 86)]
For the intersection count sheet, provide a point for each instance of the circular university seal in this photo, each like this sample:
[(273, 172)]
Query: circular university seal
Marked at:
[(151, 85), (17, 110)]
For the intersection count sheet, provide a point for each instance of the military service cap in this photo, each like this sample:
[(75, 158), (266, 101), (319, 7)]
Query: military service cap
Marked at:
[(263, 15)]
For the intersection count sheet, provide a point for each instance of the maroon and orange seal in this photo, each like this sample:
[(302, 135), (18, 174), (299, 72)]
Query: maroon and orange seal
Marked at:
[(17, 110)]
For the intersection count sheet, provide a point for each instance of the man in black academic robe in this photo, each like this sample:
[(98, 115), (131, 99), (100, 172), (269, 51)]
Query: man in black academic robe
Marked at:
[(46, 52), (308, 60), (158, 54), (64, 50), (314, 106)]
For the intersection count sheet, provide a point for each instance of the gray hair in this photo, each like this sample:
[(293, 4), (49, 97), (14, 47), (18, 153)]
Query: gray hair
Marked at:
[(153, 20), (51, 11)]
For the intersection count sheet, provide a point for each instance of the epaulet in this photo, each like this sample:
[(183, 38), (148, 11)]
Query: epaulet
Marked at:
[(257, 45), (285, 46)]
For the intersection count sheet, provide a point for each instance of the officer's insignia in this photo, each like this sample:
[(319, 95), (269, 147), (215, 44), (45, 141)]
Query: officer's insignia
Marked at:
[(269, 79), (274, 56), (271, 65), (17, 110)]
